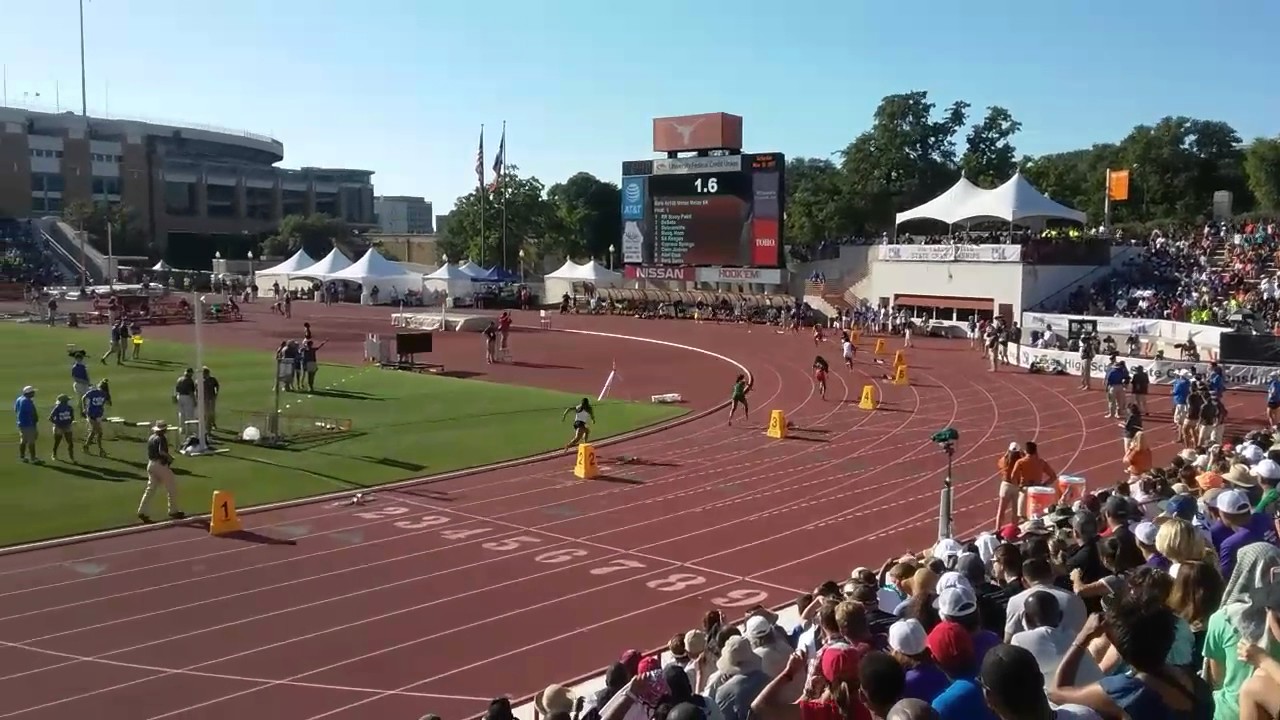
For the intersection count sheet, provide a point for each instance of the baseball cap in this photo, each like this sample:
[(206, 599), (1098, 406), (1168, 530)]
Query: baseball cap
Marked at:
[(1013, 447), (28, 390), (757, 627), (951, 645), (946, 549), (840, 663), (1267, 469), (1009, 533), (1116, 507), (970, 565), (957, 602), (1145, 533), (1233, 502), (908, 637), (1181, 506)]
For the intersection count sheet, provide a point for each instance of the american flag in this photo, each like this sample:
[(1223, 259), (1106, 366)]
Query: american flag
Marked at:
[(500, 160), (480, 159)]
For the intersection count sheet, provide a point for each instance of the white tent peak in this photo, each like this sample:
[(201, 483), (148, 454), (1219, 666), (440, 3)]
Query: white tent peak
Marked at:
[(448, 272), (947, 206), (569, 270), (298, 261), (595, 271), (334, 262), (161, 266), (471, 269), (373, 265)]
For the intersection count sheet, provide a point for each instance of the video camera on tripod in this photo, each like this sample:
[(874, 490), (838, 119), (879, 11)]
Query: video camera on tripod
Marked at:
[(946, 439)]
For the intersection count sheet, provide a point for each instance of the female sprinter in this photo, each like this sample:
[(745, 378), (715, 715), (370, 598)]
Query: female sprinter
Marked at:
[(739, 397), (583, 415), (817, 334), (820, 369), (847, 350)]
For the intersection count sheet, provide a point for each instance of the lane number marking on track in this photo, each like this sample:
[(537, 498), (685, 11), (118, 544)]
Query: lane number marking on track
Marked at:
[(560, 556), (385, 512), (421, 523), (743, 597)]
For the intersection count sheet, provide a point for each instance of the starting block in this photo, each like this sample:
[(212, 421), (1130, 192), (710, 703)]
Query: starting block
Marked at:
[(544, 320), (879, 349), (900, 375), (667, 398), (777, 425), (223, 518), (899, 358), (586, 467), (868, 401)]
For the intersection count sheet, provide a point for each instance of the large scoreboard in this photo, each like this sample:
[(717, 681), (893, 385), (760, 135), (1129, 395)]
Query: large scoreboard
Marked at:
[(713, 210)]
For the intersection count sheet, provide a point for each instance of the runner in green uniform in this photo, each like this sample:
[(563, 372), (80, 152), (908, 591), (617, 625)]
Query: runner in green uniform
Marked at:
[(739, 397)]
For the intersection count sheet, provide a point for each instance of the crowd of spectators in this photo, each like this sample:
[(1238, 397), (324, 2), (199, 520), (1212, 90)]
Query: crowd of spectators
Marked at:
[(1204, 276), (1157, 598), (23, 258)]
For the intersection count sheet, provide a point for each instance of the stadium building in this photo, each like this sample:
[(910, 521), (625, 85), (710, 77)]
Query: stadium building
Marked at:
[(403, 215), (182, 181)]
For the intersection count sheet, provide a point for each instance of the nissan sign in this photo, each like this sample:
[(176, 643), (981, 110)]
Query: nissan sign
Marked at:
[(658, 272), (759, 276)]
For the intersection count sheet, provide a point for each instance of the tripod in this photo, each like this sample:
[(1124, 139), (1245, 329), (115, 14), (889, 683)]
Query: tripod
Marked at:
[(944, 502)]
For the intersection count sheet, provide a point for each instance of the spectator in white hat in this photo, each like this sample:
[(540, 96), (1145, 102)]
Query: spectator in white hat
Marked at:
[(701, 662), (908, 642), (739, 667), (1237, 515), (555, 699), (764, 642), (960, 605), (1145, 534)]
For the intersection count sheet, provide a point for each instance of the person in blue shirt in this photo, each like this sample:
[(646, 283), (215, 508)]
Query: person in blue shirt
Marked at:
[(93, 405), (952, 649), (1181, 393), (63, 418), (1217, 381), (79, 375), (1117, 379), (24, 408), (1273, 398)]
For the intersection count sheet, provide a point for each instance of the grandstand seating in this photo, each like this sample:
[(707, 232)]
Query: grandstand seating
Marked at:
[(23, 256)]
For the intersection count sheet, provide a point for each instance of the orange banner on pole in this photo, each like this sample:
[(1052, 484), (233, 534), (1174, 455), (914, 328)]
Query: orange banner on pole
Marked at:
[(1118, 185)]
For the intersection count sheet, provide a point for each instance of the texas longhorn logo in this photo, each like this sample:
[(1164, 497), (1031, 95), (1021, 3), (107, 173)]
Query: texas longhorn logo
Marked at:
[(686, 130)]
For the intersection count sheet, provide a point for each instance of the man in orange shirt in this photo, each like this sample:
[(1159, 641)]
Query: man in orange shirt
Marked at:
[(1031, 471)]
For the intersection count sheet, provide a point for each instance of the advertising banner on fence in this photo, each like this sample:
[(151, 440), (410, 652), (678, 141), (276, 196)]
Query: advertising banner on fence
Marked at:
[(1162, 372), (1204, 335), (762, 276), (952, 253), (658, 272)]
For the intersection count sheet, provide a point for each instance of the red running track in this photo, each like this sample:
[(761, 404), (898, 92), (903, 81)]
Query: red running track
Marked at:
[(443, 595)]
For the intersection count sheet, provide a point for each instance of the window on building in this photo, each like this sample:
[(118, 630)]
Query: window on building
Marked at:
[(179, 198), (46, 182), (106, 186)]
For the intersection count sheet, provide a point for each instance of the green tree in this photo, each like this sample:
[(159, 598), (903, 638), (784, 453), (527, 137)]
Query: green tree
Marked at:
[(317, 234), (818, 203), (526, 214), (989, 157), (1262, 168), (906, 158), (128, 232), (593, 207)]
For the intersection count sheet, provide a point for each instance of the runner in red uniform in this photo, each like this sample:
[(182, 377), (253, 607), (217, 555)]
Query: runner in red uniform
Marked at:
[(820, 369)]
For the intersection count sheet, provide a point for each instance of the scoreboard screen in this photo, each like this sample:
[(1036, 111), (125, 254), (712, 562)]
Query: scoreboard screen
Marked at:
[(717, 210)]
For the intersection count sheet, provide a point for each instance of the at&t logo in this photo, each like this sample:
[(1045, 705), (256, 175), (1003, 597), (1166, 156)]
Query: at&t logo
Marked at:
[(633, 199)]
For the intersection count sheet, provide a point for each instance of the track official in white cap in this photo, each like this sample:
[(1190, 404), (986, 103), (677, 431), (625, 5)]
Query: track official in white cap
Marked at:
[(159, 473)]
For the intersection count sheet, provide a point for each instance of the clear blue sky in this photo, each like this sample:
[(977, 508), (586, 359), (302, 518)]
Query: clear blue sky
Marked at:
[(401, 87)]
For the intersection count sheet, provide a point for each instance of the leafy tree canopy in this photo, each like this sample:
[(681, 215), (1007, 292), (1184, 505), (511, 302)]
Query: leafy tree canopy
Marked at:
[(128, 232)]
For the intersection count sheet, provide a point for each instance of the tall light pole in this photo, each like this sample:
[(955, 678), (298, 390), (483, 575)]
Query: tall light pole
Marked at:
[(84, 90)]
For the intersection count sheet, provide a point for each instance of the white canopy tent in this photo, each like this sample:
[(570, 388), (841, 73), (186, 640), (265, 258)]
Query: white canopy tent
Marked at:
[(299, 261), (373, 270), (450, 279), (947, 207), (471, 269), (333, 263), (1018, 201), (161, 266), (561, 281)]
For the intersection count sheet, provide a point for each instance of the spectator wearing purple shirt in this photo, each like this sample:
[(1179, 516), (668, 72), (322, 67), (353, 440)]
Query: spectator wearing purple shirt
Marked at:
[(1145, 533), (908, 642), (1246, 527), (959, 605)]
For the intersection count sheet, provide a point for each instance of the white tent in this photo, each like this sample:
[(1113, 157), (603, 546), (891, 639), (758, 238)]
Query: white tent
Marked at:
[(1017, 200), (570, 270), (161, 266), (947, 207), (333, 263), (602, 276), (450, 279), (471, 269), (299, 261), (373, 270)]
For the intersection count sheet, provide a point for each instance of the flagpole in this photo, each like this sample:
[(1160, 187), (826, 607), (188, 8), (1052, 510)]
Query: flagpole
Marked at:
[(504, 196), (481, 179)]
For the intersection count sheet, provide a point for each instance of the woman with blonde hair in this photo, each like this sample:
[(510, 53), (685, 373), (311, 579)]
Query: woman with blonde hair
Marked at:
[(924, 590), (1137, 456), (1180, 542)]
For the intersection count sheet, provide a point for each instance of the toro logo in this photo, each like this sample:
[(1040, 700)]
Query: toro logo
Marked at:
[(766, 242)]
